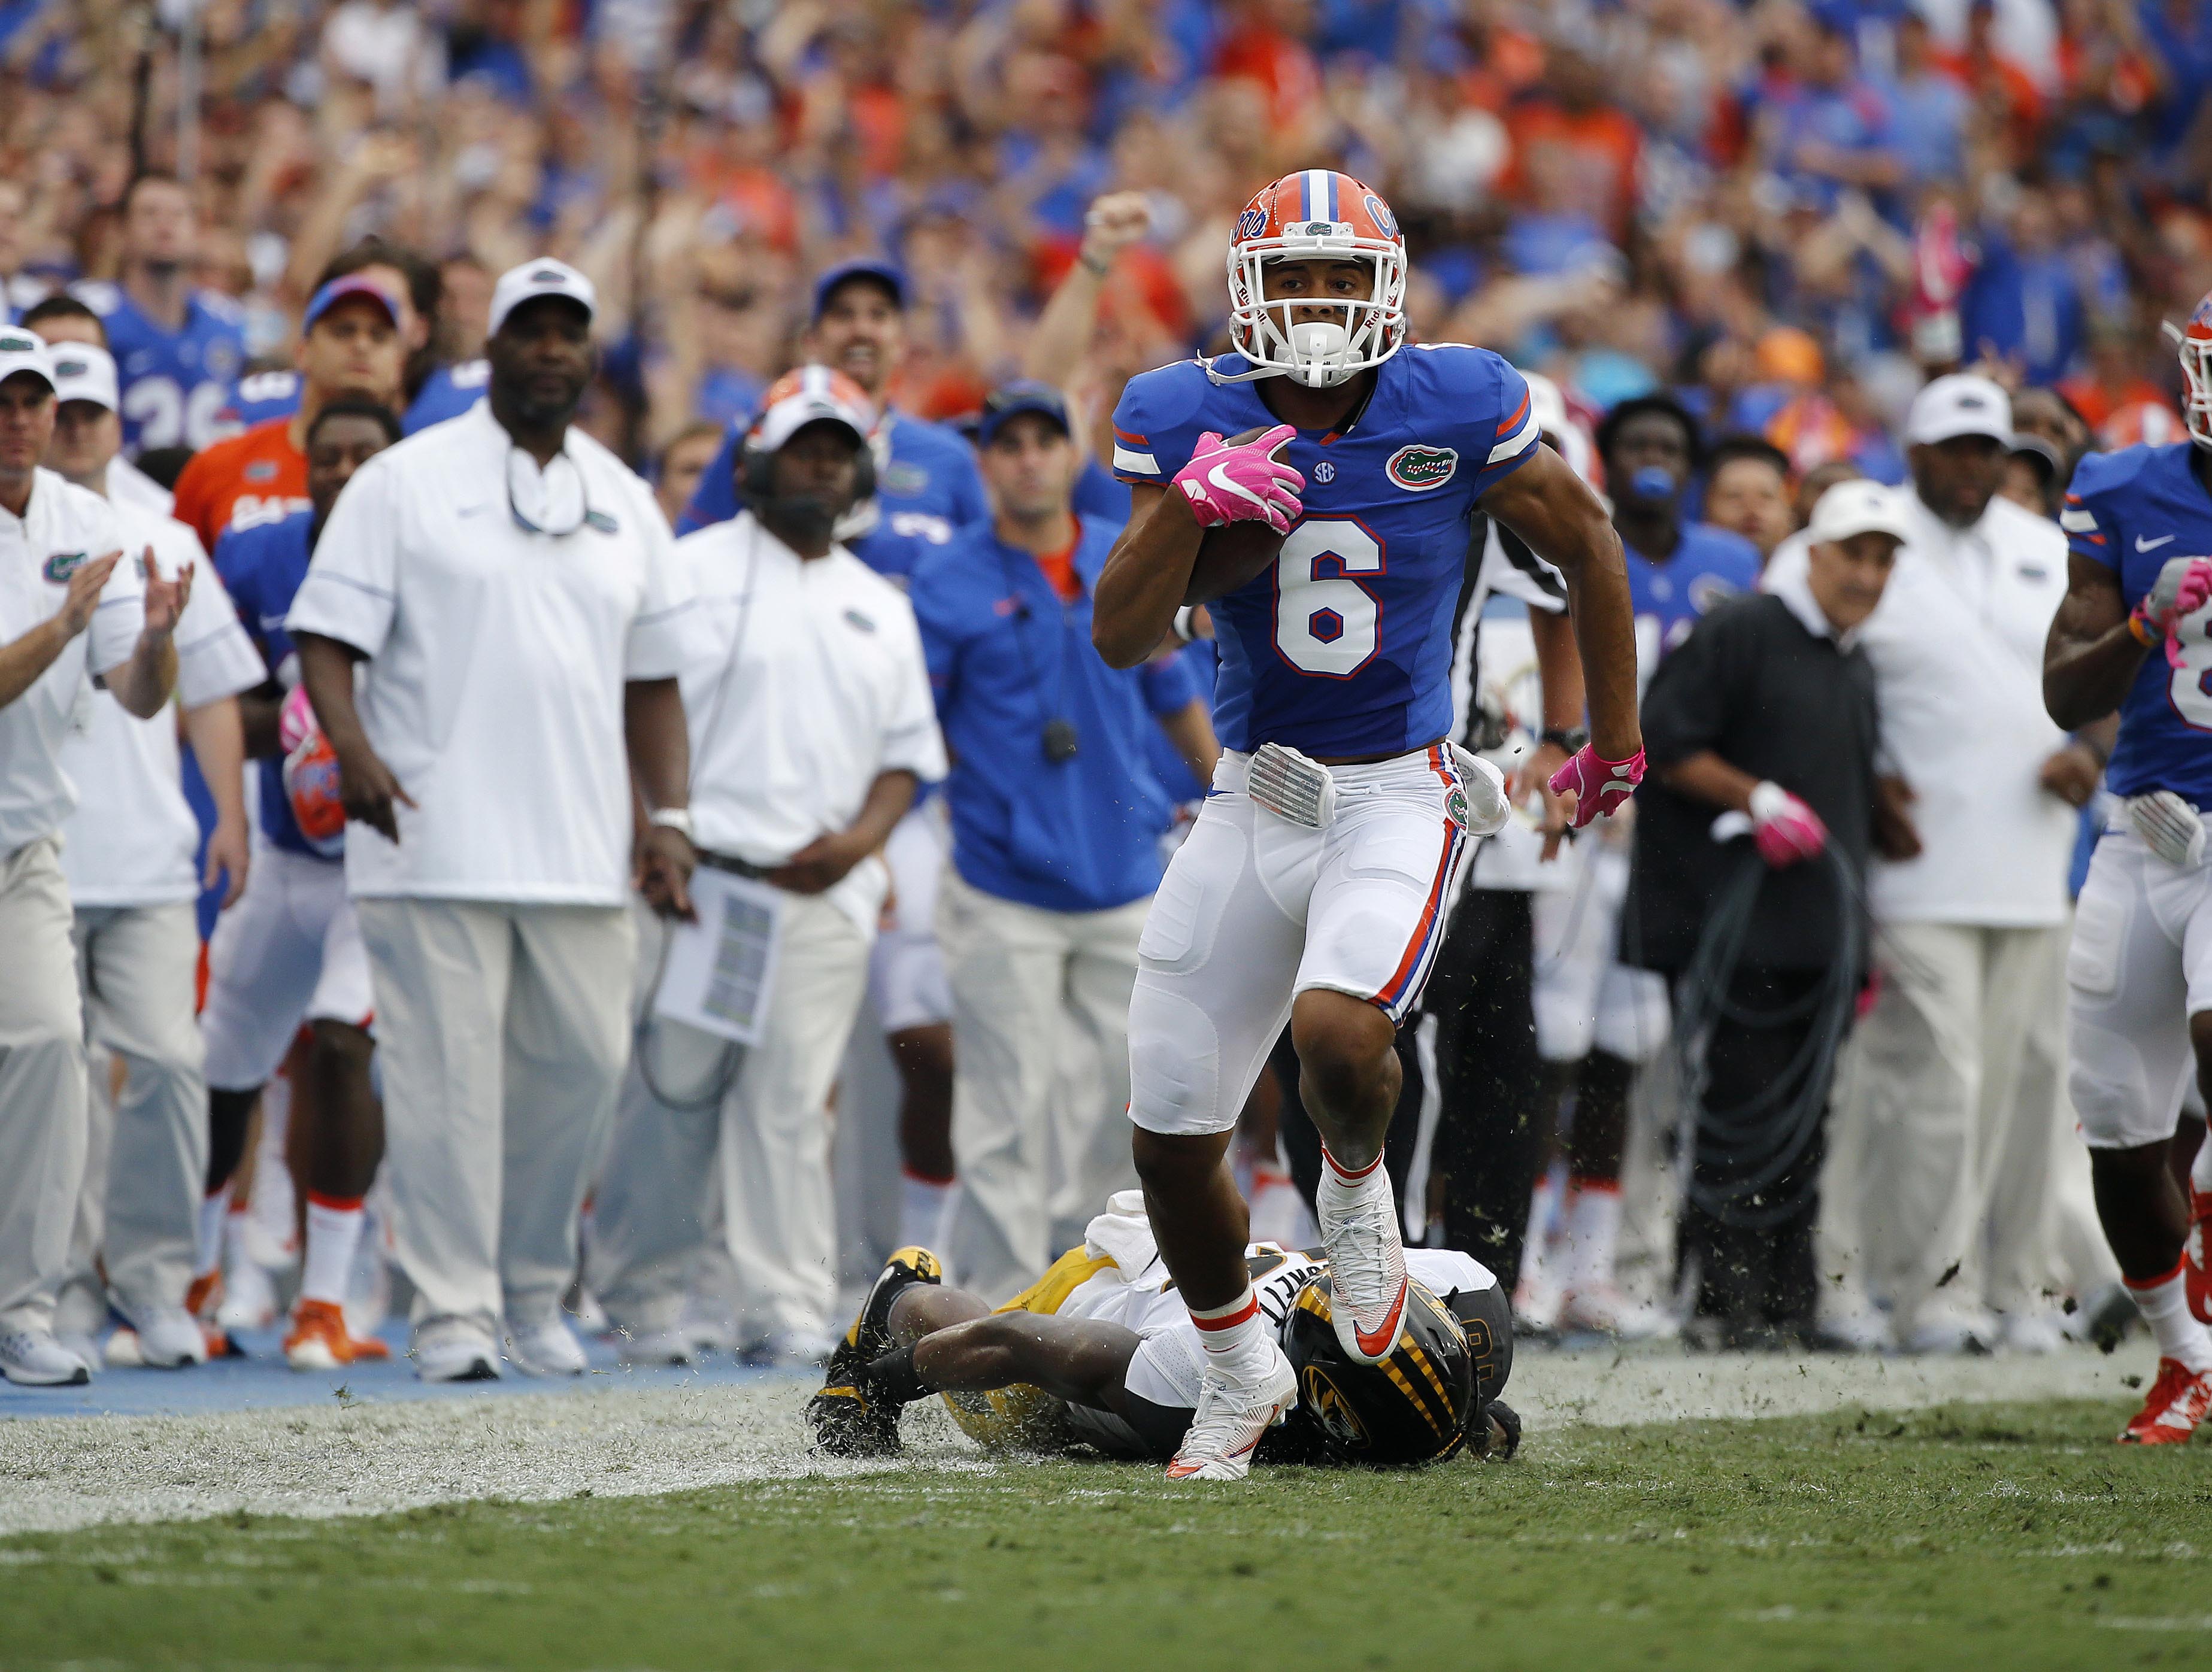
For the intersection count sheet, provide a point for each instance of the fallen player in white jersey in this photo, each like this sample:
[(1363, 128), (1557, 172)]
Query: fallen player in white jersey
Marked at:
[(1101, 1352)]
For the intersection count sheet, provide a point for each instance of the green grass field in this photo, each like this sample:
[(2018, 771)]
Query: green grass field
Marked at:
[(2011, 1537)]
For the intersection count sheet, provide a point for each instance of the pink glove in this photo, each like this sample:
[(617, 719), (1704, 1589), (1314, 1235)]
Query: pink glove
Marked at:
[(2183, 588), (1245, 483), (1785, 830), (311, 774), (1600, 786)]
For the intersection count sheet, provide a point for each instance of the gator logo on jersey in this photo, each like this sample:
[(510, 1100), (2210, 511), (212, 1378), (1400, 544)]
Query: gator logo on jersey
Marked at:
[(908, 478), (1706, 591), (602, 522), (61, 566), (1333, 1411), (1418, 469), (262, 470)]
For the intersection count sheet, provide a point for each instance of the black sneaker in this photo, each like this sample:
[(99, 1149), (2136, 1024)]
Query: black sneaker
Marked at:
[(850, 1418)]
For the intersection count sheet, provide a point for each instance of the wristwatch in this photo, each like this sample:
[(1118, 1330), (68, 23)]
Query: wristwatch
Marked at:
[(1572, 739), (678, 819)]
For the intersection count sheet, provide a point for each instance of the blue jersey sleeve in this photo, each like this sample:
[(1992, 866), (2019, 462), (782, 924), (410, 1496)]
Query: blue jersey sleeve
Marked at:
[(1158, 422), (716, 498), (2090, 516), (235, 563), (933, 592), (1500, 430)]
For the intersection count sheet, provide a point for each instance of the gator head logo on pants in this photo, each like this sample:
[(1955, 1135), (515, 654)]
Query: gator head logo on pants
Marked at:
[(1418, 469)]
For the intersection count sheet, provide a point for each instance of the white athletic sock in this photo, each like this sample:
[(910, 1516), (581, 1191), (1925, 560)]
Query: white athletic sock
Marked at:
[(2200, 1169), (923, 1205), (234, 1237), (212, 1210), (334, 1225), (1341, 1186), (1541, 1203), (1593, 1216), (2163, 1303), (1235, 1336)]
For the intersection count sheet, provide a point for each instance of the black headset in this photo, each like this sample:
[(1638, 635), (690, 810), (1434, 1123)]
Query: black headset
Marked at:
[(754, 463)]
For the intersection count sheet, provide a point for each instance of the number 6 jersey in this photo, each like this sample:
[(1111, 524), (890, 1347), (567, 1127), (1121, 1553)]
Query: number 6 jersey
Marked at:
[(2133, 511), (1344, 648)]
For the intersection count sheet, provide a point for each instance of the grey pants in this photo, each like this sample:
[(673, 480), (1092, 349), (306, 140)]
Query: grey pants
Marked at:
[(42, 1090), (138, 1211), (501, 1030)]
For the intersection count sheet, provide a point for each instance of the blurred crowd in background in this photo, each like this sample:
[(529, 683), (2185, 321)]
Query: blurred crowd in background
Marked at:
[(1787, 213)]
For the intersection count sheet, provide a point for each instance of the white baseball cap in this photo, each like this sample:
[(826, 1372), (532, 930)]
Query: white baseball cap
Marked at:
[(84, 372), (542, 278), (807, 395), (22, 350), (1858, 507), (1960, 404)]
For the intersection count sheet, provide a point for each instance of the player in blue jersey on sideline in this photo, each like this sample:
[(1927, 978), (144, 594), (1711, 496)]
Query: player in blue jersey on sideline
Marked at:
[(1314, 886), (177, 346), (927, 483), (2134, 634)]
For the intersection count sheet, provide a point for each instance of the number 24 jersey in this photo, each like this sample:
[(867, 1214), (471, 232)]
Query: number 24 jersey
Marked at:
[(2132, 512), (1344, 646)]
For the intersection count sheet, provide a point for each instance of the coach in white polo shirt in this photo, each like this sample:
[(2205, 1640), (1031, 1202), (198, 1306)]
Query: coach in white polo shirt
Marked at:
[(811, 728), (72, 607), (1954, 1078), (512, 589), (127, 852)]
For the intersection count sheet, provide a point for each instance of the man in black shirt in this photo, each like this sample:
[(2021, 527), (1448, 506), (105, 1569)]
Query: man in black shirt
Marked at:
[(1762, 724)]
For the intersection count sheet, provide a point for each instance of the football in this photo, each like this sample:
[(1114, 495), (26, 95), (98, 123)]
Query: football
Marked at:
[(1231, 554)]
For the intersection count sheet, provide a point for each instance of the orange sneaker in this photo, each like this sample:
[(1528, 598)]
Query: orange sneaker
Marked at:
[(201, 1300), (318, 1340), (2180, 1400)]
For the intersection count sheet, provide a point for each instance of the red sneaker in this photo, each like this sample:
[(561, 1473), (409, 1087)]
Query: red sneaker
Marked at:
[(2198, 1281), (2180, 1400)]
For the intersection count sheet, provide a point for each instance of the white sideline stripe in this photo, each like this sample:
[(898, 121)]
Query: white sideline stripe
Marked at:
[(1518, 441), (1124, 459)]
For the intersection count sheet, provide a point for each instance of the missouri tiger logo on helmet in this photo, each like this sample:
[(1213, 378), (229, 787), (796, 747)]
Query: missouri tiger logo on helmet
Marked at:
[(1413, 1407), (1316, 214)]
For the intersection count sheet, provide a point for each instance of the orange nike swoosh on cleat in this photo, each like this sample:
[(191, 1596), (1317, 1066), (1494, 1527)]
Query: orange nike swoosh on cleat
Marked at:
[(1378, 1341)]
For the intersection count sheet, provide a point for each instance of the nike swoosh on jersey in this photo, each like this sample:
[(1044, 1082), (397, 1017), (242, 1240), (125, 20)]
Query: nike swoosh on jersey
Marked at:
[(2143, 545)]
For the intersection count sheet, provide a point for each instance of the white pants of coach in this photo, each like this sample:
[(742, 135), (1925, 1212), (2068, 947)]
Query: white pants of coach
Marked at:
[(753, 1124), (42, 1089), (1035, 1154), (502, 1030), (146, 1153), (1955, 1089)]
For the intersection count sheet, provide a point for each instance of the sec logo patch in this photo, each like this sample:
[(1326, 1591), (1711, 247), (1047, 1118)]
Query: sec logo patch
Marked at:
[(1324, 471)]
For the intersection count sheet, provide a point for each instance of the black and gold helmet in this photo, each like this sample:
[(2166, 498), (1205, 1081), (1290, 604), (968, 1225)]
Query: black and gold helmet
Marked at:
[(1413, 1408)]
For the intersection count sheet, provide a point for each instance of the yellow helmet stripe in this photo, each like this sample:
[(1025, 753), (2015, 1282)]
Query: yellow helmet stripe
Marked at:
[(1405, 1385), (1419, 1356)]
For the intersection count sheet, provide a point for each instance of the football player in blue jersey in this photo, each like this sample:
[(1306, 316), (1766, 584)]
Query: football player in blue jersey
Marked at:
[(1313, 888), (291, 951), (926, 482), (176, 346), (2134, 634)]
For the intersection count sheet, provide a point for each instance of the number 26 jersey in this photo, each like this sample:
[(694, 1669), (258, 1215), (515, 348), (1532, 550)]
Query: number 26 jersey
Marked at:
[(2133, 511), (1343, 648)]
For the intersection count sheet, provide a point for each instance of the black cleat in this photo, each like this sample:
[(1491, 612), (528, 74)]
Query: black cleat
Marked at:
[(849, 1417), (1502, 1438)]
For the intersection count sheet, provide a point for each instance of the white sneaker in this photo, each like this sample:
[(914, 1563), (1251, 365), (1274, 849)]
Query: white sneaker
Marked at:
[(794, 1350), (1231, 1419), (2032, 1332), (1536, 1304), (249, 1297), (33, 1359), (1605, 1309), (708, 1329), (657, 1348), (122, 1351), (590, 1317), (1948, 1335), (1366, 1266), (368, 1285), (544, 1348), (169, 1338), (452, 1350), (1851, 1326)]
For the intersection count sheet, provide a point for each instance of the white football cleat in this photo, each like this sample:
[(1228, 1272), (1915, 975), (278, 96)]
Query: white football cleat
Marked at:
[(1366, 1263), (1536, 1303), (249, 1298), (33, 1359), (2036, 1333), (1230, 1421), (545, 1348), (658, 1347)]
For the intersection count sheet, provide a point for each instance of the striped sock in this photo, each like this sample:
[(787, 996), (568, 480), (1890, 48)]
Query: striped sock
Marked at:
[(1235, 1336)]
